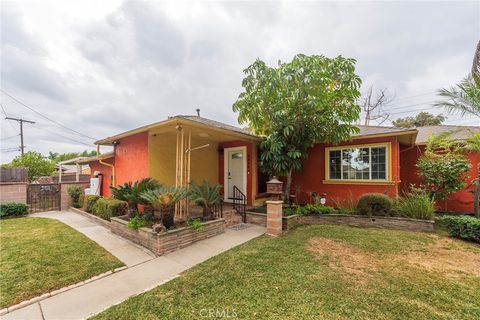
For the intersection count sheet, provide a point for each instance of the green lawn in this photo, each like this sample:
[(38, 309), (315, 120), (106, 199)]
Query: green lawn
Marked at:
[(38, 255), (324, 272)]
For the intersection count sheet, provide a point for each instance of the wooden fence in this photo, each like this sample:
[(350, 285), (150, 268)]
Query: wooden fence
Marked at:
[(13, 175)]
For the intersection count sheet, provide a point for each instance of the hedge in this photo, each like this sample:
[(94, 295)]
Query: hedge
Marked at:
[(13, 209), (463, 227), (106, 208), (90, 201)]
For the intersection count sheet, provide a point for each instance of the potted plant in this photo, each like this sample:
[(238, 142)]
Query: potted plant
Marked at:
[(163, 200), (206, 196)]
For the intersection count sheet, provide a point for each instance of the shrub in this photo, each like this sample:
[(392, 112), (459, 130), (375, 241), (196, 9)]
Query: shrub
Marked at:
[(76, 195), (463, 227), (196, 224), (13, 209), (314, 209), (374, 204), (289, 211), (106, 208), (90, 201), (136, 222), (416, 204)]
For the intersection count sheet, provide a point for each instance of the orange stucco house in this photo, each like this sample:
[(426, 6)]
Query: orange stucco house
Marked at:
[(192, 148)]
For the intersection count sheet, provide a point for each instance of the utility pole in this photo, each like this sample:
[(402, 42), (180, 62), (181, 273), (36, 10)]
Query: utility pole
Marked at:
[(22, 147)]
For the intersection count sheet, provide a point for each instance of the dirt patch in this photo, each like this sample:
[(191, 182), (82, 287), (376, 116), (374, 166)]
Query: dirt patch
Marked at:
[(445, 256), (346, 258)]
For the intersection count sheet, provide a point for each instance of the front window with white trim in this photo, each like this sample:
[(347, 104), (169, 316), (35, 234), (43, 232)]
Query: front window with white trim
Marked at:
[(358, 163)]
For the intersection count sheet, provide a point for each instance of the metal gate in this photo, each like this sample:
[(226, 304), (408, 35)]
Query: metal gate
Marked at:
[(43, 197)]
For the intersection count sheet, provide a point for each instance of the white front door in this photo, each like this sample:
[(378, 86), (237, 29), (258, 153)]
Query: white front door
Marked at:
[(235, 171)]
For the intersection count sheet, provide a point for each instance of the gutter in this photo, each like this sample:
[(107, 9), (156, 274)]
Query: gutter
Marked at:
[(106, 164)]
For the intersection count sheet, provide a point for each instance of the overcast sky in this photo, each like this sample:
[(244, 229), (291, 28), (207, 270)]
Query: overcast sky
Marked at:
[(102, 67)]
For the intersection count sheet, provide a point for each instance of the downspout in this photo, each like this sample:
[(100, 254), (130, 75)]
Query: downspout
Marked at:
[(106, 164)]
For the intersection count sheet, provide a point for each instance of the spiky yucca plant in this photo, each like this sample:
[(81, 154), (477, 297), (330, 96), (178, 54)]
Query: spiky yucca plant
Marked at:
[(205, 195), (163, 200)]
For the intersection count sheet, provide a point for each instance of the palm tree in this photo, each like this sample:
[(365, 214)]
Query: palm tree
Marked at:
[(131, 192), (205, 195), (463, 98), (163, 201), (473, 145)]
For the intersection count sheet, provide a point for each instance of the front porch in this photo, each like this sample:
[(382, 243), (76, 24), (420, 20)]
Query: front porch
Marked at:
[(182, 151)]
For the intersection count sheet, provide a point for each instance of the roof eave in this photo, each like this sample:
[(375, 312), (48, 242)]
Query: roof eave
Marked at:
[(110, 140), (387, 134)]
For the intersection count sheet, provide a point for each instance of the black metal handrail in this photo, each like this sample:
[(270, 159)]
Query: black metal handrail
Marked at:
[(240, 202), (217, 209)]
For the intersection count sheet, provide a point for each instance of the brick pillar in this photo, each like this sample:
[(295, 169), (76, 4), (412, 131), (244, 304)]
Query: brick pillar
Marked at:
[(274, 218)]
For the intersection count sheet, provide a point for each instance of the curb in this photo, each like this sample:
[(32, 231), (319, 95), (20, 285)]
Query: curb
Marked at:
[(58, 291)]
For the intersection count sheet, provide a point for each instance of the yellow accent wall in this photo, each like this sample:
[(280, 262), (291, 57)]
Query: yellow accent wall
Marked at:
[(162, 157)]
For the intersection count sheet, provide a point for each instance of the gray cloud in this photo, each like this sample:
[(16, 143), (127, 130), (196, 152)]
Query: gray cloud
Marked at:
[(140, 62)]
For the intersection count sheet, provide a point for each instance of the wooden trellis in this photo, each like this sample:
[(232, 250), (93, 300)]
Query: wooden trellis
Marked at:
[(183, 163)]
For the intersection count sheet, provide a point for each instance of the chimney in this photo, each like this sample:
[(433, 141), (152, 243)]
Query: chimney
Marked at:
[(198, 112)]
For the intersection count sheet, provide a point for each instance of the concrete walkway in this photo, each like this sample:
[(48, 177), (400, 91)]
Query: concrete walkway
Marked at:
[(96, 296), (127, 252)]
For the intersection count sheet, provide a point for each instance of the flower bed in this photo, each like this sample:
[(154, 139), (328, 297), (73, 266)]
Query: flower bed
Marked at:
[(168, 241)]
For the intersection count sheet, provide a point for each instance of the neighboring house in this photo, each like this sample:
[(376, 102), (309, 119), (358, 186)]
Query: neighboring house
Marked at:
[(191, 148)]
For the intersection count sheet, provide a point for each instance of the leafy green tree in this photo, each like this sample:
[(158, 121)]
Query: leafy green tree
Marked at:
[(443, 166), (297, 104), (420, 120), (57, 157), (36, 164)]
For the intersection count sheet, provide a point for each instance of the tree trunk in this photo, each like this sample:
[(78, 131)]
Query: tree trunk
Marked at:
[(286, 195), (476, 196)]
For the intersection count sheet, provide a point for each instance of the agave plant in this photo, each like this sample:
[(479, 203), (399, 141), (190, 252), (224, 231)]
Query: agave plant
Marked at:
[(131, 192), (163, 200), (205, 195)]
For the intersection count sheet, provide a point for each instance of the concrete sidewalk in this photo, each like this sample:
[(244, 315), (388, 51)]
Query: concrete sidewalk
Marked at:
[(127, 252), (96, 296)]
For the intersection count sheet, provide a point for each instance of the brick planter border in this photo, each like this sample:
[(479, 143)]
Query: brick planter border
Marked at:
[(169, 241), (93, 217), (288, 222), (363, 221)]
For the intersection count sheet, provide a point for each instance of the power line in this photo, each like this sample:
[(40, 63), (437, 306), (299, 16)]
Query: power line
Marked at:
[(45, 117), (6, 115), (416, 96), (10, 137), (65, 137), (9, 150)]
